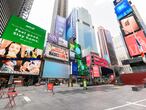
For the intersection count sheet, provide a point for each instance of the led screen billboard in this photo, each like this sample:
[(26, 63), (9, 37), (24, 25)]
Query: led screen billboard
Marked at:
[(71, 25), (21, 31), (132, 45), (78, 52), (74, 68), (60, 25), (129, 25), (61, 70), (122, 9), (56, 52), (52, 38), (96, 72), (136, 43), (21, 47)]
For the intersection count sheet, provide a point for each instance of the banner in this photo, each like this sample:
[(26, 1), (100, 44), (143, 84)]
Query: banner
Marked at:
[(96, 72), (56, 70), (56, 52), (21, 47), (122, 9), (60, 26), (62, 42), (52, 38), (136, 43), (21, 31), (129, 25)]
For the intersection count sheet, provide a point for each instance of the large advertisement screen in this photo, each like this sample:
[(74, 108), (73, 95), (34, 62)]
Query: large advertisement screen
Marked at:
[(21, 47), (52, 38), (16, 58), (21, 31), (136, 43), (62, 70), (71, 25), (96, 72), (60, 26), (56, 52), (74, 68), (122, 9), (129, 25)]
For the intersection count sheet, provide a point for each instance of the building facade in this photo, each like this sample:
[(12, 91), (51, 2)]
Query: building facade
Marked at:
[(107, 50), (19, 8), (79, 26), (60, 9)]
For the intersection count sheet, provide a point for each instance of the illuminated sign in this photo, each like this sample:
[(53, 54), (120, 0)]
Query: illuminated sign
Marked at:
[(123, 9), (62, 42), (56, 52), (129, 25), (136, 43), (60, 26), (52, 38), (21, 31), (116, 2), (96, 72)]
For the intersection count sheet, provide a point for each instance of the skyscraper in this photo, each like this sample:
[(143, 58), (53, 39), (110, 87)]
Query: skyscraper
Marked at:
[(106, 46), (19, 8), (79, 25), (60, 9)]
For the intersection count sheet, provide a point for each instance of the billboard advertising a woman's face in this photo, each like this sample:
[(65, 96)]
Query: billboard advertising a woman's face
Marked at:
[(129, 25), (21, 47), (16, 58)]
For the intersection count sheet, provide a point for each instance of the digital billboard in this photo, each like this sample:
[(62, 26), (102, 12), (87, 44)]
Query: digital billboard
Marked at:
[(140, 36), (136, 43), (21, 47), (60, 26), (96, 72), (132, 45), (122, 9), (61, 70), (78, 52), (16, 58), (129, 25), (56, 52), (21, 31), (71, 25), (116, 2), (74, 68), (88, 60), (52, 38)]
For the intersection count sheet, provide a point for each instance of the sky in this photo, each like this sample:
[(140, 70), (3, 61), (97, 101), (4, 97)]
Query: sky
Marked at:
[(101, 11)]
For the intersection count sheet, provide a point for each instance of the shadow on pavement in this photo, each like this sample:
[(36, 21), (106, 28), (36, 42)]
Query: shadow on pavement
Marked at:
[(90, 89)]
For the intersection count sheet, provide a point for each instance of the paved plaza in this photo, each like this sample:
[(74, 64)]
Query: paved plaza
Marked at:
[(105, 97)]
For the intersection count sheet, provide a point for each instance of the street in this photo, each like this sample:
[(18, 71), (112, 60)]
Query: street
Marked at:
[(105, 97)]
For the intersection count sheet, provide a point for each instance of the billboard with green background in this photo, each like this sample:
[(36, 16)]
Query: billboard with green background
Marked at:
[(21, 31)]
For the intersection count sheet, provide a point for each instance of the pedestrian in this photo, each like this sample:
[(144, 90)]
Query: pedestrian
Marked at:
[(84, 84)]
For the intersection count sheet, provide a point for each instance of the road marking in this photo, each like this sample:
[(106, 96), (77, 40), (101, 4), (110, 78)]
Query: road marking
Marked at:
[(128, 103), (27, 99)]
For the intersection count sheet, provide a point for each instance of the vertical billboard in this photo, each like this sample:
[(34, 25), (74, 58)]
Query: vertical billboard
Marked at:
[(56, 70), (71, 25), (74, 68), (60, 26), (122, 9), (21, 47), (52, 38), (129, 25), (136, 43), (96, 72)]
